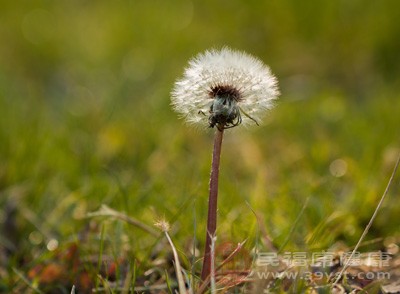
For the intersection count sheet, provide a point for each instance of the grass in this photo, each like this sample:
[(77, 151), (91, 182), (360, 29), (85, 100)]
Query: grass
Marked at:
[(83, 126), (275, 168)]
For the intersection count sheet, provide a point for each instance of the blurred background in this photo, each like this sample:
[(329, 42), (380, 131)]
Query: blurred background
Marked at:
[(85, 120)]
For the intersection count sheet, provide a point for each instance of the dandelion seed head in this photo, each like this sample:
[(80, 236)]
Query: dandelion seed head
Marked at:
[(224, 88), (163, 225)]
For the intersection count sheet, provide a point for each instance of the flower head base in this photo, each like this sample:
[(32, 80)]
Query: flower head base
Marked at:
[(224, 88)]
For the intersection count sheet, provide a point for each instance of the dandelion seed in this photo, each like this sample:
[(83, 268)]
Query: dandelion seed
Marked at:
[(224, 88)]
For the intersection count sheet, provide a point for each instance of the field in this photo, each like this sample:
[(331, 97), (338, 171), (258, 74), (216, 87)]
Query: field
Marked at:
[(85, 121)]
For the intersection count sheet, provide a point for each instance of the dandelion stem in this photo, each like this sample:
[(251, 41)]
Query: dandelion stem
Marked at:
[(212, 203)]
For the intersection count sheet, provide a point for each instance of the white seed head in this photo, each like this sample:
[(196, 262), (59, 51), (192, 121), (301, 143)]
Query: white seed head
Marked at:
[(225, 77), (162, 224)]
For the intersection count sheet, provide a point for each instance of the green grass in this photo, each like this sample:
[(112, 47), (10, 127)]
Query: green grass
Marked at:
[(85, 121)]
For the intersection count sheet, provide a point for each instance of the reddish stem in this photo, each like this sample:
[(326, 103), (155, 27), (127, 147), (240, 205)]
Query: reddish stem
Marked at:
[(212, 203)]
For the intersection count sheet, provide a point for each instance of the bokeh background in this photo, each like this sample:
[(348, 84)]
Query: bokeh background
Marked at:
[(85, 120)]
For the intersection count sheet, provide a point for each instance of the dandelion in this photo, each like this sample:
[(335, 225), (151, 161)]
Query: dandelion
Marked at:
[(164, 226), (222, 89)]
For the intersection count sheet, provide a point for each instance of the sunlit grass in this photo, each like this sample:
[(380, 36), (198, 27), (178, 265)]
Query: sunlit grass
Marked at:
[(62, 167)]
